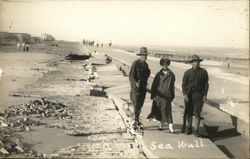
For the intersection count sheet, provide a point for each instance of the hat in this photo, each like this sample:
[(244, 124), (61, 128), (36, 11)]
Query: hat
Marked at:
[(143, 51), (164, 60), (195, 58)]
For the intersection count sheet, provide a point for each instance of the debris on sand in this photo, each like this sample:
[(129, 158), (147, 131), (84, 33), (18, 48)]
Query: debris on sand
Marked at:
[(24, 95), (20, 118), (40, 106), (77, 133), (97, 91), (22, 122), (8, 145), (72, 56), (3, 151)]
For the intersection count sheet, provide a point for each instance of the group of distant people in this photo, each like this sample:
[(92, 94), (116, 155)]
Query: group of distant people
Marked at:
[(23, 46), (95, 43), (194, 87)]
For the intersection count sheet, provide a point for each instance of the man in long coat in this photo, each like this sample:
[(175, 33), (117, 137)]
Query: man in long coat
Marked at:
[(194, 87), (138, 78)]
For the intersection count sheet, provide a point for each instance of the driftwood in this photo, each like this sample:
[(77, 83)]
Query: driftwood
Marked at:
[(24, 95)]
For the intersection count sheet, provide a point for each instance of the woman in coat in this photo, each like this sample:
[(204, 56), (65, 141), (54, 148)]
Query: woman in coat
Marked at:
[(162, 93)]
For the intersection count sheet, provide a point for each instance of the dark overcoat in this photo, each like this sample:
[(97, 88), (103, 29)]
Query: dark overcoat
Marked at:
[(162, 93), (139, 73), (195, 86)]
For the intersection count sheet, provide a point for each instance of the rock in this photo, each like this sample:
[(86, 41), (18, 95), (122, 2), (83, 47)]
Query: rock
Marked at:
[(3, 151), (25, 119), (18, 148), (27, 128), (2, 119), (1, 143), (18, 142), (4, 124), (53, 155), (1, 113)]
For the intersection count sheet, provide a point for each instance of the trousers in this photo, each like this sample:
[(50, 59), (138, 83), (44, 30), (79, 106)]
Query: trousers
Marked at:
[(137, 97), (193, 107)]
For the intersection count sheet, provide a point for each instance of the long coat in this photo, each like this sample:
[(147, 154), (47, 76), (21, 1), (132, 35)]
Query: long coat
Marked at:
[(195, 86), (162, 93), (139, 73)]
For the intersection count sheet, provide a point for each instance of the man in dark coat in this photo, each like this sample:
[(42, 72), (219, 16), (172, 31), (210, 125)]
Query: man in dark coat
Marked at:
[(138, 78), (194, 87)]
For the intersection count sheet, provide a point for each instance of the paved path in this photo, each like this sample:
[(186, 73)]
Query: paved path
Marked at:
[(157, 144), (227, 92)]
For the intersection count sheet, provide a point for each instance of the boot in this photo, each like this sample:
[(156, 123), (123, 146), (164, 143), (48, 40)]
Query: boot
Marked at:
[(196, 126), (189, 129), (135, 125), (160, 126), (183, 129), (196, 133)]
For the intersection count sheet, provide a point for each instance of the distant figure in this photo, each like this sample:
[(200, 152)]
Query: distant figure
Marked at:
[(228, 64), (1, 72), (27, 47), (110, 43), (194, 87), (23, 46), (138, 77), (162, 93), (19, 46), (108, 59)]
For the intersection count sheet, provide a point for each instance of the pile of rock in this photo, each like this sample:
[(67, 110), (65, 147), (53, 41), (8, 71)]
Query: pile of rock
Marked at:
[(21, 118), (41, 107)]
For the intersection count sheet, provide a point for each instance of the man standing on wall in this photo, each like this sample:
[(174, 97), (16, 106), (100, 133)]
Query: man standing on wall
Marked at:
[(194, 87), (138, 78)]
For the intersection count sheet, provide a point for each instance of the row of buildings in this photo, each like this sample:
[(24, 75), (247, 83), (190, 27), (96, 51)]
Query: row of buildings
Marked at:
[(8, 38)]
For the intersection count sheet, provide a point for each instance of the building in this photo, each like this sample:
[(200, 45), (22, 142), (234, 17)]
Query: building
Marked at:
[(47, 37), (7, 38)]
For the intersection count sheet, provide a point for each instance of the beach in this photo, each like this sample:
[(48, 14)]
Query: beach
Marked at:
[(55, 75), (47, 77)]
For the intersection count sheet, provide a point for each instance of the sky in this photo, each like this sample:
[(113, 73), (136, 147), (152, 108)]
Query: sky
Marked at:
[(168, 23)]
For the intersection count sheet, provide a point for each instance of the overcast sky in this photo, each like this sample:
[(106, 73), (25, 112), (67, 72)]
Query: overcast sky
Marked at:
[(179, 23)]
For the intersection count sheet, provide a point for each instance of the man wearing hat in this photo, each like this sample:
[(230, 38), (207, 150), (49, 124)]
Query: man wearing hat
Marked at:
[(194, 87), (138, 78)]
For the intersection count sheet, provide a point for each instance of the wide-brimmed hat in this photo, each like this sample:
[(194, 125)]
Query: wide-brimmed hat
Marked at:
[(195, 58), (143, 51), (164, 60)]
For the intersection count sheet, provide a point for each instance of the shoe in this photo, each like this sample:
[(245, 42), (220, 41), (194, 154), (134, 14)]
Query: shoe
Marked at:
[(140, 125), (135, 126), (196, 133), (171, 129), (155, 120), (160, 127), (189, 132), (183, 129)]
